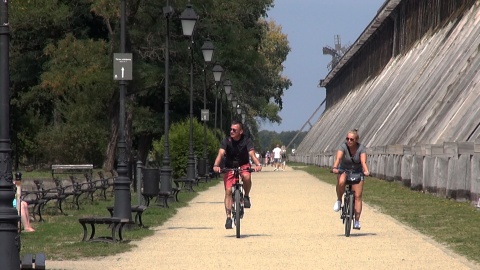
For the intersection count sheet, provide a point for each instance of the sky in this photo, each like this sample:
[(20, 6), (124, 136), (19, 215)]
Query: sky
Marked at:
[(311, 25)]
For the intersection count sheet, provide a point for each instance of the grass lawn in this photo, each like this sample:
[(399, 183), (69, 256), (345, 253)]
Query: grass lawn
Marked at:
[(61, 235)]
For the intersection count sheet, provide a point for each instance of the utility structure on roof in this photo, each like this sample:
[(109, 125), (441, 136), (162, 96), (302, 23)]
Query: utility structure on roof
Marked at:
[(336, 52)]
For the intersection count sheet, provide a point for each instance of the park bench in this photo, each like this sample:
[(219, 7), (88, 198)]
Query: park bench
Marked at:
[(115, 224), (33, 261), (106, 183), (49, 195), (68, 191), (83, 187), (161, 196), (137, 210), (34, 198)]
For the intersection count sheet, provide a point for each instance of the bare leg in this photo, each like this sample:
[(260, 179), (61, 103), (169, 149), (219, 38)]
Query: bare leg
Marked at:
[(228, 202), (25, 217), (340, 185), (247, 183), (358, 188)]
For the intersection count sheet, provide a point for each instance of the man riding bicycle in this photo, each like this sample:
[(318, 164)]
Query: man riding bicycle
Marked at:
[(236, 148)]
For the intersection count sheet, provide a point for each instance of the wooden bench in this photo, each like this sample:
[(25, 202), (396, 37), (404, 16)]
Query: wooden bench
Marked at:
[(137, 209), (115, 224), (33, 261)]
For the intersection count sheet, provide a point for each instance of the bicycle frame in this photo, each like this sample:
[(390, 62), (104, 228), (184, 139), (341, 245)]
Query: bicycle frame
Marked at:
[(237, 197), (348, 206)]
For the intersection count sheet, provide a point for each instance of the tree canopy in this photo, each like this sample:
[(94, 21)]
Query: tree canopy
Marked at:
[(65, 102)]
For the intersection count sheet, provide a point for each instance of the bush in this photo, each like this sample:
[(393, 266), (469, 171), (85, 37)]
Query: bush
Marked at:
[(179, 137)]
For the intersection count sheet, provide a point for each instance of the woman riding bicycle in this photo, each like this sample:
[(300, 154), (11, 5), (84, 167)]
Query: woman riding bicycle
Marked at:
[(236, 148), (351, 156)]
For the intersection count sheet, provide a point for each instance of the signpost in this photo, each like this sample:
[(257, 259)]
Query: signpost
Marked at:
[(122, 66), (204, 115)]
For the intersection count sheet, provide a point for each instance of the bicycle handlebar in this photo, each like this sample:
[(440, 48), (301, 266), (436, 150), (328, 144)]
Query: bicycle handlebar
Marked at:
[(238, 169)]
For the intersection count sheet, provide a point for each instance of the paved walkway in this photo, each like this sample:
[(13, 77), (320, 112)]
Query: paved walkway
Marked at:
[(291, 225)]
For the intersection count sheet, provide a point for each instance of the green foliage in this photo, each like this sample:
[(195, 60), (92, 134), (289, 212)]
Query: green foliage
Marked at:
[(61, 66), (179, 137), (267, 139)]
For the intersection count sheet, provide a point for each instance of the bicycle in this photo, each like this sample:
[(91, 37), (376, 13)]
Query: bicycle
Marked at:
[(237, 197), (348, 206)]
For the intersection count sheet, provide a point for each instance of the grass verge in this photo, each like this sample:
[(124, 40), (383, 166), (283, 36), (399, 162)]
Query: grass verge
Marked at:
[(59, 237), (451, 223)]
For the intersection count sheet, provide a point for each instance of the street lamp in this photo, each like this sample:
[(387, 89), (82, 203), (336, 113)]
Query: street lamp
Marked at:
[(10, 244), (189, 18), (122, 206), (217, 75), (207, 50), (166, 170), (227, 86)]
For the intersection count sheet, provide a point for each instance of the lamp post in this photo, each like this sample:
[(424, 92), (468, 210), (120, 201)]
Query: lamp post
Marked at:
[(166, 170), (217, 75), (227, 86), (122, 206), (189, 18), (10, 244), (207, 50)]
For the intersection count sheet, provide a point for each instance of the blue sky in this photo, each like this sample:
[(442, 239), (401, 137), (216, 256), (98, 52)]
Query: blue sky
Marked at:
[(311, 25)]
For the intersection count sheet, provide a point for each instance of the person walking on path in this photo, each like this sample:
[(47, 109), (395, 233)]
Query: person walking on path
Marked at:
[(351, 155), (236, 148), (277, 154)]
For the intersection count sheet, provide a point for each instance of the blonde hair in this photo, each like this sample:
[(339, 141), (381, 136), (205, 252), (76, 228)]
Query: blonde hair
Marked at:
[(355, 133)]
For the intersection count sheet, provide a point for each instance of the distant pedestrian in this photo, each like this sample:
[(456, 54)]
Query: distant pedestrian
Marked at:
[(276, 157)]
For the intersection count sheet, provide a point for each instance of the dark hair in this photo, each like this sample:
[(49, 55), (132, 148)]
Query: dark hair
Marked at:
[(239, 123)]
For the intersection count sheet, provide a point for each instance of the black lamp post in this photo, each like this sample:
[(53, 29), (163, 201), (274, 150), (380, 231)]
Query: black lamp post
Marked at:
[(207, 50), (122, 206), (10, 243), (166, 170), (217, 75), (189, 18), (227, 86)]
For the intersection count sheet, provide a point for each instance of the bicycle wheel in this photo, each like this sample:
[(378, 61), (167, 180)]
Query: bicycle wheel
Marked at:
[(348, 214), (238, 210)]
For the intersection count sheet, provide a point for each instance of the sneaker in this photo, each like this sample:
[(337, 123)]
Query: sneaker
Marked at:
[(246, 202), (275, 169), (337, 206), (228, 223), (356, 225)]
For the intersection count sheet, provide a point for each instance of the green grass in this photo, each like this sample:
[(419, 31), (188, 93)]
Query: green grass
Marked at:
[(454, 224), (59, 237)]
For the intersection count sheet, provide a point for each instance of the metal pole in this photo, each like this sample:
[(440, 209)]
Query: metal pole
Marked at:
[(122, 207), (216, 98), (191, 158), (9, 218), (221, 111), (205, 122), (139, 181), (166, 170)]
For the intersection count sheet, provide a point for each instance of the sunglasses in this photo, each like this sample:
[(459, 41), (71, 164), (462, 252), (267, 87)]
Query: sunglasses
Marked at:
[(350, 139), (234, 130)]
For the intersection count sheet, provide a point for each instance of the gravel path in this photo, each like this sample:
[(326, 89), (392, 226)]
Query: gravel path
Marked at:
[(291, 225)]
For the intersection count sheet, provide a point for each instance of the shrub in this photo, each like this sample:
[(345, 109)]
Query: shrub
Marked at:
[(179, 137)]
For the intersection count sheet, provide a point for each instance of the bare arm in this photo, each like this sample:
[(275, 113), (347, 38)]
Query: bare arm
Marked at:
[(216, 164), (258, 166), (337, 161), (363, 160)]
